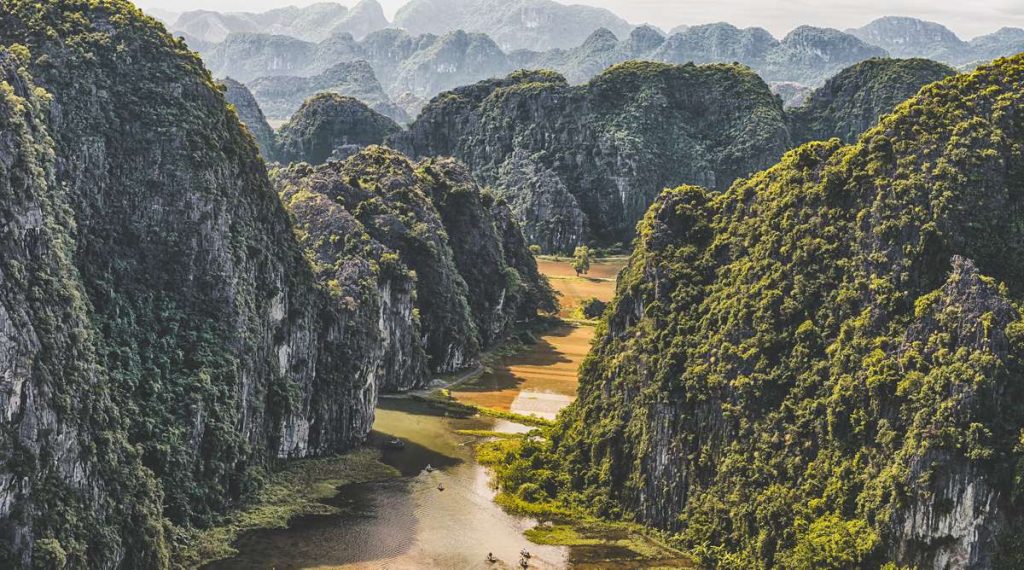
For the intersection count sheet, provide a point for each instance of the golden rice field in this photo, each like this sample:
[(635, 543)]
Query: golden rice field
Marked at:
[(542, 379)]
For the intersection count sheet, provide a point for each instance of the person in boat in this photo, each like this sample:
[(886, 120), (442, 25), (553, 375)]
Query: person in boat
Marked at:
[(525, 554), (429, 468), (491, 558), (524, 563), (440, 486)]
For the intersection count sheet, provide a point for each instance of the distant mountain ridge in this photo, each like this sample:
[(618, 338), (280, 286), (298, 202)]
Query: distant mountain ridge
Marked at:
[(311, 23), (412, 67)]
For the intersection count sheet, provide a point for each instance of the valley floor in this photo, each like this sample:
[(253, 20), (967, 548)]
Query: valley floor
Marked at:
[(431, 504)]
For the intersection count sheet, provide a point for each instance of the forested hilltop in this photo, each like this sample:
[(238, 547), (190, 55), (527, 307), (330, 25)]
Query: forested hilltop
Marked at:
[(821, 366), (582, 163)]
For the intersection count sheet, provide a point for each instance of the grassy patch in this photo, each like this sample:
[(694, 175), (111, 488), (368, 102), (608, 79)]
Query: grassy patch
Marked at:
[(295, 490), (486, 433), (443, 398)]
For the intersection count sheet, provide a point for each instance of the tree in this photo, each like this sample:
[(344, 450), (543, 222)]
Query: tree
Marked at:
[(535, 250), (581, 260)]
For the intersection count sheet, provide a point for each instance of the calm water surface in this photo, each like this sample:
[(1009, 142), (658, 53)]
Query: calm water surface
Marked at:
[(407, 522)]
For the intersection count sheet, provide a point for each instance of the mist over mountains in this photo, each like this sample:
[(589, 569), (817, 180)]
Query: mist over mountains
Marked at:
[(435, 45)]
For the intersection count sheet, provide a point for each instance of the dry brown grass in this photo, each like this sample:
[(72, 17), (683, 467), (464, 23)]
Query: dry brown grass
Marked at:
[(549, 366), (599, 283)]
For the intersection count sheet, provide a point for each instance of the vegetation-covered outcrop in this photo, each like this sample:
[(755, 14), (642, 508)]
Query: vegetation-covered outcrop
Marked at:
[(469, 291), (63, 490), (600, 153), (250, 114), (853, 101), (162, 338), (331, 125), (822, 366)]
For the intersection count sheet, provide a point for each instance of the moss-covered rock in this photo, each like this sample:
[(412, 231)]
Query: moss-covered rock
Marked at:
[(612, 145), (165, 341), (470, 290), (853, 101), (329, 125), (821, 366)]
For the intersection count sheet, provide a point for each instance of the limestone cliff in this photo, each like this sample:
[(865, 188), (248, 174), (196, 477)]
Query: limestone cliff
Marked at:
[(474, 277), (164, 339), (594, 157)]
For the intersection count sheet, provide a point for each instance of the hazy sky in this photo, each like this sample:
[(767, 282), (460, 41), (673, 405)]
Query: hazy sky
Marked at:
[(967, 18)]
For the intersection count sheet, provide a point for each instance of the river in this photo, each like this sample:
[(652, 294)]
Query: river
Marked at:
[(409, 522)]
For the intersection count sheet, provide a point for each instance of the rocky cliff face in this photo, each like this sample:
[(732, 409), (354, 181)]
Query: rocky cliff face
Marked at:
[(910, 37), (59, 492), (330, 125), (820, 367), (604, 150), (281, 96), (164, 336), (514, 24), (853, 101), (250, 114), (468, 292)]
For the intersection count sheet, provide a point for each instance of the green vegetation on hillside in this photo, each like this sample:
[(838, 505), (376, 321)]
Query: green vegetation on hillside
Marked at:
[(820, 367), (855, 99), (634, 130)]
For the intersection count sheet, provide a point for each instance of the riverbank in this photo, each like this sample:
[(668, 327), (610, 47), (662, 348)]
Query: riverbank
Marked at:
[(300, 488)]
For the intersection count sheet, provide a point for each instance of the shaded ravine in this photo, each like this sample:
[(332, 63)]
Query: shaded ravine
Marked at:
[(408, 522)]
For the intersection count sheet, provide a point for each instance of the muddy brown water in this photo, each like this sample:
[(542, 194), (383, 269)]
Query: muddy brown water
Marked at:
[(407, 522)]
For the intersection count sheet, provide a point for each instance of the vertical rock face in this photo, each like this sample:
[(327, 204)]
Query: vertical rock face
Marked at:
[(250, 114), (61, 490), (612, 144), (474, 276), (821, 366), (159, 319)]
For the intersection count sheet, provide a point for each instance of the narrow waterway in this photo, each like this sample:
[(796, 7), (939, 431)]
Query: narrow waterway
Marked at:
[(408, 522), (444, 516)]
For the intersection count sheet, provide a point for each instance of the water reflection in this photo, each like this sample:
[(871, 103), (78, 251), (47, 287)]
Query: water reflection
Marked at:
[(407, 522)]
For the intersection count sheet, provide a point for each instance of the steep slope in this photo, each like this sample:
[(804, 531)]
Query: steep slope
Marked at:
[(187, 291), (821, 367), (603, 151), (59, 493), (281, 95), (454, 59), (251, 115), (853, 101), (331, 125), (910, 37), (513, 24), (247, 55), (469, 291)]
